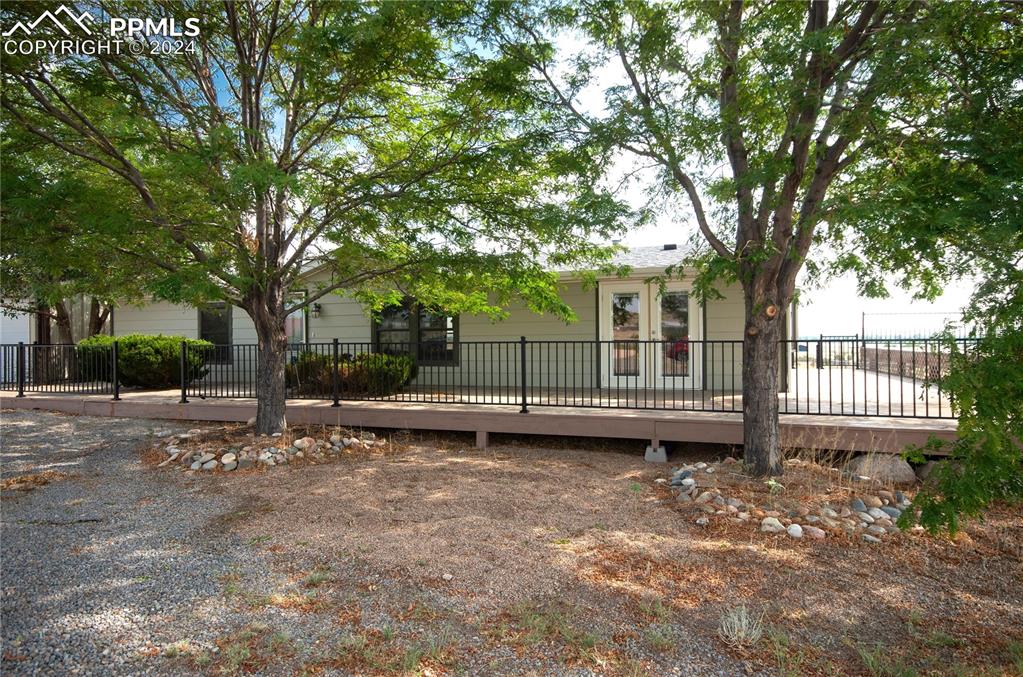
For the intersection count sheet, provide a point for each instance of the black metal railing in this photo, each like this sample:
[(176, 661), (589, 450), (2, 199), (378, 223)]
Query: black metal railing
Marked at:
[(58, 368), (848, 376)]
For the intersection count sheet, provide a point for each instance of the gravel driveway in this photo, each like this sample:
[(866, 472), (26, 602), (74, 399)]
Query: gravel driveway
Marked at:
[(116, 567), (102, 567)]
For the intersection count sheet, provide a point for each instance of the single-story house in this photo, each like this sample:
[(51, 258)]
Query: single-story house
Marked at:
[(699, 344)]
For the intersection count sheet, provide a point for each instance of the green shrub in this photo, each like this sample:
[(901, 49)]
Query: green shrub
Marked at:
[(372, 374), (144, 360)]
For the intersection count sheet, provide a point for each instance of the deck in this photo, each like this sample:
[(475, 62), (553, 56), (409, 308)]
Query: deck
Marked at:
[(845, 433)]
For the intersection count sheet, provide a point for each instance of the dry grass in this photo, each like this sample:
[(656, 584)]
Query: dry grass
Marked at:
[(32, 481), (579, 555), (378, 651)]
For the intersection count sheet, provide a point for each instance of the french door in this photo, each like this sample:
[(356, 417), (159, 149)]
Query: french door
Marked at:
[(647, 337)]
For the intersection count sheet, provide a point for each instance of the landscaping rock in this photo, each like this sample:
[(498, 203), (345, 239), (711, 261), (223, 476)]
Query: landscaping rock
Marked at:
[(924, 471), (206, 458), (688, 484), (245, 463), (170, 459), (877, 513), (304, 443), (858, 505), (195, 465), (702, 521), (873, 501), (894, 513), (865, 517), (251, 421), (871, 539), (209, 465), (814, 533), (884, 468), (231, 465), (771, 525), (795, 531), (228, 458)]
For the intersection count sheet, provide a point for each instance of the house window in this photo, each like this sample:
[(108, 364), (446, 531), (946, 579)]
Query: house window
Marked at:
[(434, 334), (215, 327)]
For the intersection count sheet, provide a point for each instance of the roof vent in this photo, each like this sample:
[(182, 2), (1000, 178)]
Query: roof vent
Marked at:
[(670, 247)]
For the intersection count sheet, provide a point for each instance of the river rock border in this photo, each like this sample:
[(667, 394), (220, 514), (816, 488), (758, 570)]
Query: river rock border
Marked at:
[(262, 451), (871, 517)]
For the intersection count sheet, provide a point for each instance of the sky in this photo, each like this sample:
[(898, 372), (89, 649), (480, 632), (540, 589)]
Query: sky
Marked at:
[(830, 306), (834, 307)]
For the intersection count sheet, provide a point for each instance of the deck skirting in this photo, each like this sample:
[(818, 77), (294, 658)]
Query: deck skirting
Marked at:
[(845, 433)]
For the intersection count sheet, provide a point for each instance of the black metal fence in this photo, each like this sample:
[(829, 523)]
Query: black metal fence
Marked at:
[(826, 376)]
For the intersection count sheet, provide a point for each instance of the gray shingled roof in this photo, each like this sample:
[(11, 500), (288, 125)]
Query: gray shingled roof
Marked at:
[(648, 257)]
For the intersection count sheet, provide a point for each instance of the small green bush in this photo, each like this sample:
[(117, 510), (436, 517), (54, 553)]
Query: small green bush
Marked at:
[(145, 361), (369, 374)]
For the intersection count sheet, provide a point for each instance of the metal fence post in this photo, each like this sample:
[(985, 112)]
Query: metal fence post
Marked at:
[(820, 352), (335, 378), (522, 365), (115, 378), (184, 374), (21, 368)]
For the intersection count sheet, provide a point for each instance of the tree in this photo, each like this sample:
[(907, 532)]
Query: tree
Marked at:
[(946, 209), (785, 95), (50, 251), (373, 138)]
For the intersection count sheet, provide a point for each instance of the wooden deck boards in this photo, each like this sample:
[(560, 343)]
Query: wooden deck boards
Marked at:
[(852, 433)]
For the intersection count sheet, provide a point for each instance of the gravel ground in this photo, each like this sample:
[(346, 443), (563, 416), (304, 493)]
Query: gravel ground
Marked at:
[(431, 557), (119, 566), (103, 566)]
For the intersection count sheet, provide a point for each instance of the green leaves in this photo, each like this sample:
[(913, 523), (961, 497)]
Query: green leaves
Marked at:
[(387, 141)]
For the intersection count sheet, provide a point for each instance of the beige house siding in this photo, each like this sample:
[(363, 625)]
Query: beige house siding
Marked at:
[(480, 360), (723, 331), (169, 319), (160, 317)]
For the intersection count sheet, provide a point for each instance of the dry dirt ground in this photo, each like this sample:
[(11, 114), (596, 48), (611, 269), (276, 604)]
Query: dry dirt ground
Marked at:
[(535, 557)]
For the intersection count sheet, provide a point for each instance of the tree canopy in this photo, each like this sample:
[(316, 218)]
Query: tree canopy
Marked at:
[(374, 139), (751, 120), (944, 207)]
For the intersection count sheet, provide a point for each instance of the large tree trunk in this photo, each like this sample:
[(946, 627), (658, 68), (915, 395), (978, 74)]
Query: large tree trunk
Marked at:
[(65, 333), (268, 314), (98, 314), (761, 449)]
